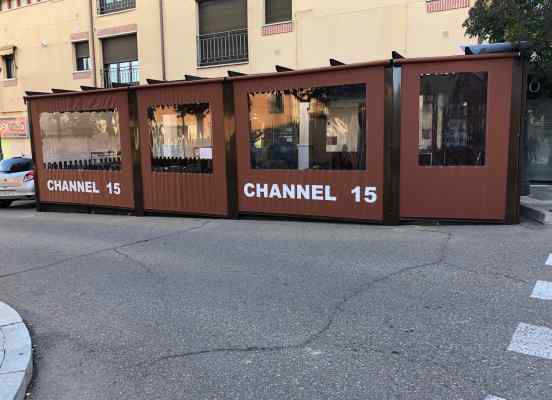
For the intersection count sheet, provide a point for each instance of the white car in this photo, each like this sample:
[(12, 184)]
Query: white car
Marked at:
[(16, 180)]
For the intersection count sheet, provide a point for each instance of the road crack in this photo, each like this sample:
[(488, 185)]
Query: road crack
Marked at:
[(133, 260), (338, 310), (107, 249)]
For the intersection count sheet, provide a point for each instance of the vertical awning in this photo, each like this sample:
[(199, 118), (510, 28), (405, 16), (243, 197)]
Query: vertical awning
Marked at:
[(82, 49), (278, 11), (119, 49), (222, 15)]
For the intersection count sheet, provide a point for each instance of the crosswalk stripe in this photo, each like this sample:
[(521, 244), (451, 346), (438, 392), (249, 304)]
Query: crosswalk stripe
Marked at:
[(531, 340), (494, 398), (549, 261), (542, 291)]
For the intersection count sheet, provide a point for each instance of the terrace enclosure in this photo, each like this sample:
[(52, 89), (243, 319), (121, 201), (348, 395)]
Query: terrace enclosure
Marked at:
[(381, 142)]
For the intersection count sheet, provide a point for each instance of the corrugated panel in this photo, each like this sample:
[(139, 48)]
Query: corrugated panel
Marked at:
[(101, 188), (457, 192), (340, 182), (185, 192), (97, 189)]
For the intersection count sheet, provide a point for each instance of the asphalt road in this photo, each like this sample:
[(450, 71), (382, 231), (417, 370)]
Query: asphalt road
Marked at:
[(174, 308)]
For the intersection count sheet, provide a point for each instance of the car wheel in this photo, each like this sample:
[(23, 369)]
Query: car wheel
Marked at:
[(5, 203)]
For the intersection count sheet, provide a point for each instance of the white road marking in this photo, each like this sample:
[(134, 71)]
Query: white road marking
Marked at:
[(313, 352), (533, 341), (542, 291), (549, 261), (494, 398)]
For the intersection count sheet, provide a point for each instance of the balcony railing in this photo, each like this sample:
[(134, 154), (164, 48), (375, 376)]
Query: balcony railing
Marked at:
[(120, 76), (222, 48), (110, 6)]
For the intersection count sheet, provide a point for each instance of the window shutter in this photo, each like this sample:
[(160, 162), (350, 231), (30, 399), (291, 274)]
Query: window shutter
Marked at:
[(278, 11), (120, 49), (82, 50), (222, 15)]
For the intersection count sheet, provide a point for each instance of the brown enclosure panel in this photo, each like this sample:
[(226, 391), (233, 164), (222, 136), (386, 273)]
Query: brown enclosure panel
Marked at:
[(178, 190), (456, 190), (335, 193), (110, 187)]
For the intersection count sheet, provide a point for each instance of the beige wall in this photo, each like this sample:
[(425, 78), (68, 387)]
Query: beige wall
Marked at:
[(43, 57), (349, 30), (44, 54)]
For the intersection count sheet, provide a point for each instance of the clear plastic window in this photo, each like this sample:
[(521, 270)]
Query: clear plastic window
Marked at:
[(453, 118), (182, 139), (88, 140), (318, 128)]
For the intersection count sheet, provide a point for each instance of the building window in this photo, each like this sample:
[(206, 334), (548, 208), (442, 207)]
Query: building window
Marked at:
[(278, 11), (223, 37), (182, 139), (453, 115), (9, 66), (110, 6), (321, 128), (82, 54), (120, 59), (87, 140)]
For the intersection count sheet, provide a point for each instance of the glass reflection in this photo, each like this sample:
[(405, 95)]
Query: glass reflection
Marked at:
[(453, 114), (81, 140), (317, 128), (539, 139), (181, 138)]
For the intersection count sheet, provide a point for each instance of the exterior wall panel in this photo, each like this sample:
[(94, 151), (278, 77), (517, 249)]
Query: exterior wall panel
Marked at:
[(457, 192), (342, 182), (91, 101), (185, 192)]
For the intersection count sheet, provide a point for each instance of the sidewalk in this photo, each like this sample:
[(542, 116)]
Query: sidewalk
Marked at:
[(16, 364), (538, 205)]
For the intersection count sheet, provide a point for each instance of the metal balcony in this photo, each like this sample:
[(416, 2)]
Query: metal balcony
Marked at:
[(222, 48), (111, 6), (119, 76)]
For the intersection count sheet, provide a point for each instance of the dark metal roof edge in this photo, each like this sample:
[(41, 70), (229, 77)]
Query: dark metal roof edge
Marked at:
[(489, 56), (179, 83), (372, 64), (76, 93)]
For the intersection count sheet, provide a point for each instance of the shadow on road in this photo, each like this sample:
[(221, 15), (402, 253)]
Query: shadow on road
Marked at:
[(22, 205)]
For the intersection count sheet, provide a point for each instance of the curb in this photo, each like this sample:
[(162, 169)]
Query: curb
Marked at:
[(16, 361), (539, 213)]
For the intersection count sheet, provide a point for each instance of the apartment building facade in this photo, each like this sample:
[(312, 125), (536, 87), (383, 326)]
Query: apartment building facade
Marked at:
[(69, 44)]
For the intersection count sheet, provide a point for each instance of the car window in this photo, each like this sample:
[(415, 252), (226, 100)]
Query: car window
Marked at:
[(19, 164)]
